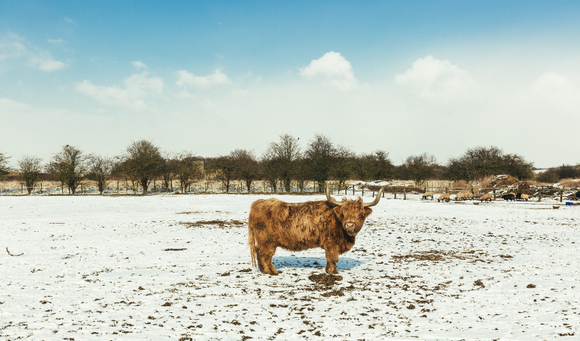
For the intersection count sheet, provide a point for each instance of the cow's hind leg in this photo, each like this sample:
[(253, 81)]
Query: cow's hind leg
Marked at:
[(331, 259), (265, 254)]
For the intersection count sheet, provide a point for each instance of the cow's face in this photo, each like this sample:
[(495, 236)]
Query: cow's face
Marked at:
[(352, 215)]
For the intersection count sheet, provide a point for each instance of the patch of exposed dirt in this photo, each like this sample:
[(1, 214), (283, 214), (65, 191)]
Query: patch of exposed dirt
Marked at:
[(333, 293), (214, 223), (325, 279), (437, 256)]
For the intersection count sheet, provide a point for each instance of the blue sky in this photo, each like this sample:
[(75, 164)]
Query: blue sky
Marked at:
[(407, 77)]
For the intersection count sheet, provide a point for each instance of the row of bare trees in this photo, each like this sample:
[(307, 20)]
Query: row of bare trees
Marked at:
[(284, 164), (141, 163)]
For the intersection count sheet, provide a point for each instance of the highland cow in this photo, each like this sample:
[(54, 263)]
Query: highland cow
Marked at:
[(330, 224), (426, 195)]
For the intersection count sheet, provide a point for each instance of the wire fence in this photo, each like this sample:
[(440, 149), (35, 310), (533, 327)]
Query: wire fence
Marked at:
[(395, 191)]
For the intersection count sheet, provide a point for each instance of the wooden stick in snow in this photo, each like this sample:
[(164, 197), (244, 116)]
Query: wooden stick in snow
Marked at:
[(12, 254)]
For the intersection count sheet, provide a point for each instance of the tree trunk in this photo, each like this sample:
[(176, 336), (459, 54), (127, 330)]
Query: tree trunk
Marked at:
[(144, 183)]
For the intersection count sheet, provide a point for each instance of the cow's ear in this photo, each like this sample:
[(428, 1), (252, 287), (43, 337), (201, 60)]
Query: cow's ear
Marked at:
[(368, 211)]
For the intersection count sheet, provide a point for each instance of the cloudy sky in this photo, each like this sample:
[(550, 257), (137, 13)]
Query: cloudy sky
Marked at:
[(407, 77)]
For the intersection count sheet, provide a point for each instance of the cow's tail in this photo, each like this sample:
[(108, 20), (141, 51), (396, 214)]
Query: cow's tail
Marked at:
[(252, 243)]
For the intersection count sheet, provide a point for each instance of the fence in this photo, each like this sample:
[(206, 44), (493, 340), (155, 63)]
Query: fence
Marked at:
[(118, 187)]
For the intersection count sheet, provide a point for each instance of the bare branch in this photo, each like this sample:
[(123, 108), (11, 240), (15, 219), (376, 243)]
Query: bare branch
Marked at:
[(20, 254)]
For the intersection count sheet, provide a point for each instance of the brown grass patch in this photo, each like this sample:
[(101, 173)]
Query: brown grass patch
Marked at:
[(214, 223), (438, 256), (570, 183)]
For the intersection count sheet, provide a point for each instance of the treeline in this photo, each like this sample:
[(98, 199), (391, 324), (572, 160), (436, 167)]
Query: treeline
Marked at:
[(284, 165)]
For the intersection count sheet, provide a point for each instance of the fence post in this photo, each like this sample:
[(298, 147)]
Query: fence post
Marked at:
[(404, 193), (561, 192), (539, 195), (395, 192)]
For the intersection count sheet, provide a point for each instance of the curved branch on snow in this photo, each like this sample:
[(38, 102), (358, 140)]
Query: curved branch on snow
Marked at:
[(20, 254)]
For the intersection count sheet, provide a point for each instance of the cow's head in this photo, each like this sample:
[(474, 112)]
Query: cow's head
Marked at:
[(352, 213)]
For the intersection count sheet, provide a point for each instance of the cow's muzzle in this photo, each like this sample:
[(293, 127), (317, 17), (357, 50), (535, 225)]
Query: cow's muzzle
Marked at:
[(350, 228)]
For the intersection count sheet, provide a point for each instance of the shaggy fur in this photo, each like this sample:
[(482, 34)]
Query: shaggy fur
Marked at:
[(274, 223)]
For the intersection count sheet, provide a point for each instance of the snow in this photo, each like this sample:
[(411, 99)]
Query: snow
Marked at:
[(132, 268)]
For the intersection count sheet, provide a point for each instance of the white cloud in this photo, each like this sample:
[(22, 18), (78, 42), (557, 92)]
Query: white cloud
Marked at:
[(12, 46), (139, 65), (137, 88), (216, 78), (431, 78), (56, 41), (45, 62), (558, 91), (332, 68), (68, 20), (11, 106)]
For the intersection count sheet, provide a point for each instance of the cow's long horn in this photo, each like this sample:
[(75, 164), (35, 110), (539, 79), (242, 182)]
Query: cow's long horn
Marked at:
[(376, 201), (331, 199)]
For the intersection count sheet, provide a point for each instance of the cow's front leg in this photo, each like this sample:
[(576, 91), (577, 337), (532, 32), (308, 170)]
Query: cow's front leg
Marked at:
[(331, 258)]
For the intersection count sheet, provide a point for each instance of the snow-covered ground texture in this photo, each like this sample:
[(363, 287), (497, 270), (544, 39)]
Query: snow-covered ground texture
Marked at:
[(174, 267)]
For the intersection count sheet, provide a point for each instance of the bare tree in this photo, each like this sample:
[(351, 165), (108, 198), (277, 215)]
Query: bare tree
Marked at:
[(320, 156), (285, 154), (343, 165), (373, 166), (141, 163), (69, 167), (270, 170), (188, 167), (480, 162), (4, 168), (100, 169), (420, 168), (225, 170), (167, 171), (247, 167), (29, 168)]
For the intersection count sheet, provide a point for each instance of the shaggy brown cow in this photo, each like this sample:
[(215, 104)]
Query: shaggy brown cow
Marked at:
[(330, 224)]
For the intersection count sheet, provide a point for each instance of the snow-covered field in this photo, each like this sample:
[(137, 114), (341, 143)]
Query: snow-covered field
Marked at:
[(174, 267)]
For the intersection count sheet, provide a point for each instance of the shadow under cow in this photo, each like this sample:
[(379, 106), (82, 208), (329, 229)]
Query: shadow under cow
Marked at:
[(344, 263)]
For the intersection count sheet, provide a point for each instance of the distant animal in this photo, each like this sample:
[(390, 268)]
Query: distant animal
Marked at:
[(467, 196), (486, 197), (427, 194), (464, 196), (330, 224), (509, 196), (522, 196), (443, 197)]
